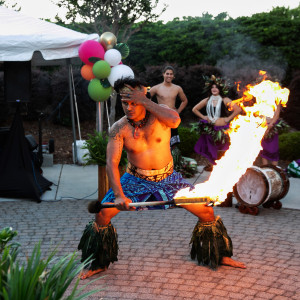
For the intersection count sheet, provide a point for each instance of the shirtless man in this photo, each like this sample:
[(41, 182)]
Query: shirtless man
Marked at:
[(144, 132), (166, 93)]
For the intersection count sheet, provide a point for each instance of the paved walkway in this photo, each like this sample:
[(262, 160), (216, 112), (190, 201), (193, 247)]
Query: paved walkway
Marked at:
[(154, 260)]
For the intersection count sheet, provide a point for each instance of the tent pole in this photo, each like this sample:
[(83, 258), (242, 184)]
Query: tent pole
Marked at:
[(99, 116), (72, 111)]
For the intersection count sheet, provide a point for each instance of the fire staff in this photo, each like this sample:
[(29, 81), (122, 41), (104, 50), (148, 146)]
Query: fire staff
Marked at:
[(144, 133)]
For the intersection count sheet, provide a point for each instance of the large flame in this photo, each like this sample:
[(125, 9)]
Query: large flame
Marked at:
[(246, 132)]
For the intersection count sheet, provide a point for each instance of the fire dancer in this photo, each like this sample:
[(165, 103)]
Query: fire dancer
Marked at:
[(270, 142), (144, 132), (214, 121), (166, 93)]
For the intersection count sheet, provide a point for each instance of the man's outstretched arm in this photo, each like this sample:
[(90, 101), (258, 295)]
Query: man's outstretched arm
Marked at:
[(113, 157)]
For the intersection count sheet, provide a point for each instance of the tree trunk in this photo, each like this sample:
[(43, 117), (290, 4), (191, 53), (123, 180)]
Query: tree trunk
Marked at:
[(103, 185)]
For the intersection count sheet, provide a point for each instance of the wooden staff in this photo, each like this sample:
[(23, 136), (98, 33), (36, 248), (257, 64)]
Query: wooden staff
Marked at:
[(96, 206)]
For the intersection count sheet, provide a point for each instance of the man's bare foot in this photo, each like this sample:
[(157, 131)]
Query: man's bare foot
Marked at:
[(227, 261), (90, 273)]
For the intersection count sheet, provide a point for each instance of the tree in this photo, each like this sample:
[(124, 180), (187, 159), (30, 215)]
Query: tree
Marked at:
[(277, 30), (9, 4), (239, 47), (292, 110), (121, 17)]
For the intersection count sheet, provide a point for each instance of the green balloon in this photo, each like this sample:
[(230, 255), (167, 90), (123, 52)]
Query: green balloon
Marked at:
[(101, 69), (97, 92)]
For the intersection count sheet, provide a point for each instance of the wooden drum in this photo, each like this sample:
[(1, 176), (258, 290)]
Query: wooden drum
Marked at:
[(261, 186)]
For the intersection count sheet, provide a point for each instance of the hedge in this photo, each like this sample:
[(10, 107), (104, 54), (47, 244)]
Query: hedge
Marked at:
[(188, 140), (289, 146)]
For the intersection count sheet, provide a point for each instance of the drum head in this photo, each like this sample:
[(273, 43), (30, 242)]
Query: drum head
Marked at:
[(284, 181), (252, 188)]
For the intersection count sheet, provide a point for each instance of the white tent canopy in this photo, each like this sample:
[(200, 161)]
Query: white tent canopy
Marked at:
[(24, 38), (21, 36)]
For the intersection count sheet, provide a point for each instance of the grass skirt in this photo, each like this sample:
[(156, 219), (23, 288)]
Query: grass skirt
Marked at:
[(212, 140), (100, 243), (210, 243)]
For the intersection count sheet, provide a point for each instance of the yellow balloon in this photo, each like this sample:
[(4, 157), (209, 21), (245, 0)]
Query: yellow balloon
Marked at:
[(108, 40)]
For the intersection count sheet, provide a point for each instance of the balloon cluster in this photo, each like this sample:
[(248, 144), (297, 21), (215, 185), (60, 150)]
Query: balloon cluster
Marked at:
[(103, 65)]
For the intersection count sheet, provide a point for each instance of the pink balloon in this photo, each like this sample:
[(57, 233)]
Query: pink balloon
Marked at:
[(90, 49)]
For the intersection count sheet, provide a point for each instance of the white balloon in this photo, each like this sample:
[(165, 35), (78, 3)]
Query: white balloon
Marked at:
[(113, 57), (118, 72)]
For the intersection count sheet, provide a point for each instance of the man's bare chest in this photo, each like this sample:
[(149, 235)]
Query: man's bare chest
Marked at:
[(143, 139), (167, 94)]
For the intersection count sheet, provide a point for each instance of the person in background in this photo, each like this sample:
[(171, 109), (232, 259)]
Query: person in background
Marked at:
[(144, 133), (215, 116), (270, 143), (166, 93)]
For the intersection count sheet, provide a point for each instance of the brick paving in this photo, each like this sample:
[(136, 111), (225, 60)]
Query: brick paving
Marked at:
[(154, 260)]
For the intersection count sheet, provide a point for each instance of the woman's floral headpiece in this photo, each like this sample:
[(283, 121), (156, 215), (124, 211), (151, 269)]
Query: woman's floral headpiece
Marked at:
[(209, 81)]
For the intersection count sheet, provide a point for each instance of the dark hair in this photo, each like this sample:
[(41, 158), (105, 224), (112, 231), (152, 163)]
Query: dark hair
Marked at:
[(168, 68), (133, 82), (218, 87)]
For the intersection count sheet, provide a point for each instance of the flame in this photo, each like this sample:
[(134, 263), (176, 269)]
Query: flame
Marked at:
[(246, 132), (238, 83)]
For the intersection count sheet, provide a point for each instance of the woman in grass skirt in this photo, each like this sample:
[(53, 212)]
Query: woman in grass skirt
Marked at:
[(215, 116)]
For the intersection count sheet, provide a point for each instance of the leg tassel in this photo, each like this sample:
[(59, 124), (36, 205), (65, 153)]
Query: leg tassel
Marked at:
[(210, 243), (100, 243)]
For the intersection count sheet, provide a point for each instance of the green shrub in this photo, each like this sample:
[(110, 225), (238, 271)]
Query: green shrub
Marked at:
[(183, 165), (37, 278), (96, 145), (188, 140), (289, 146), (6, 235)]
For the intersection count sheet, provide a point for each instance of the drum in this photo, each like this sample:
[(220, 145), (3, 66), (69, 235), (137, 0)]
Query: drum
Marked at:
[(261, 186)]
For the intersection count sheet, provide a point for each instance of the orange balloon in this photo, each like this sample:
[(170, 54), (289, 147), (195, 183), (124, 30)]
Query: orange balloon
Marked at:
[(87, 72)]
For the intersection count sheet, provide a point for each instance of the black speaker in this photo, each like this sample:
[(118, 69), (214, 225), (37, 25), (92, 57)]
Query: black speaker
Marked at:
[(51, 145), (17, 81), (4, 134)]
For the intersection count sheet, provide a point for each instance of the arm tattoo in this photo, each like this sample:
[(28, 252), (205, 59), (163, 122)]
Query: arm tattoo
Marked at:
[(120, 148), (114, 133)]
